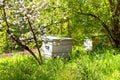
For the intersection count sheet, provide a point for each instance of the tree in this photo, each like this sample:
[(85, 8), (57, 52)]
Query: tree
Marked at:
[(105, 14), (21, 19), (25, 21)]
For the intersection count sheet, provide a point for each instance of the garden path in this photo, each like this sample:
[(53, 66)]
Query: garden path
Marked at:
[(21, 53)]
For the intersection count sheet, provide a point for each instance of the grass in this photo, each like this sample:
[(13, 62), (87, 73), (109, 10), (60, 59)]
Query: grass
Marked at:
[(102, 64)]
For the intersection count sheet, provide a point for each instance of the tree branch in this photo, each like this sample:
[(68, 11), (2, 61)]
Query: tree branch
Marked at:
[(106, 27), (34, 36), (61, 21)]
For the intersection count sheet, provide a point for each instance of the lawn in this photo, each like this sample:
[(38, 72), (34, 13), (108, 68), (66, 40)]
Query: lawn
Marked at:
[(101, 64)]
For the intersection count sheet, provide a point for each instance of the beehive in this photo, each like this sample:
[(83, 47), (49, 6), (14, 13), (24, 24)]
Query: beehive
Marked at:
[(56, 46)]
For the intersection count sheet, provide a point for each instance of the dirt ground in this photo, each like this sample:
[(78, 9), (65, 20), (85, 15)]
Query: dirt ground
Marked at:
[(21, 53)]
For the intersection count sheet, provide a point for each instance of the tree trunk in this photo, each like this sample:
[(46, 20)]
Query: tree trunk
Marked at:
[(115, 9), (116, 40)]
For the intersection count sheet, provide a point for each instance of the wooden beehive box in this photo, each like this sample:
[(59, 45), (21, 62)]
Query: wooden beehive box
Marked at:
[(56, 46)]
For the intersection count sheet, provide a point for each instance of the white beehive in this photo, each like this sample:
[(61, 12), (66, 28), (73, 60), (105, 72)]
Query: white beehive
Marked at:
[(88, 44), (56, 46)]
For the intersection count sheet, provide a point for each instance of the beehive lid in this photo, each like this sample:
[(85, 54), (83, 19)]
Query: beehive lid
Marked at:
[(54, 38)]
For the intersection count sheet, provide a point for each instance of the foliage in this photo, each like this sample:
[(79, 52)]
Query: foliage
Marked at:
[(97, 16), (26, 21), (17, 14), (75, 19), (2, 35), (57, 17), (2, 42), (99, 64)]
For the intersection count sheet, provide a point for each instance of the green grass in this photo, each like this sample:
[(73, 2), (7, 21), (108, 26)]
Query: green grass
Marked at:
[(101, 64)]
